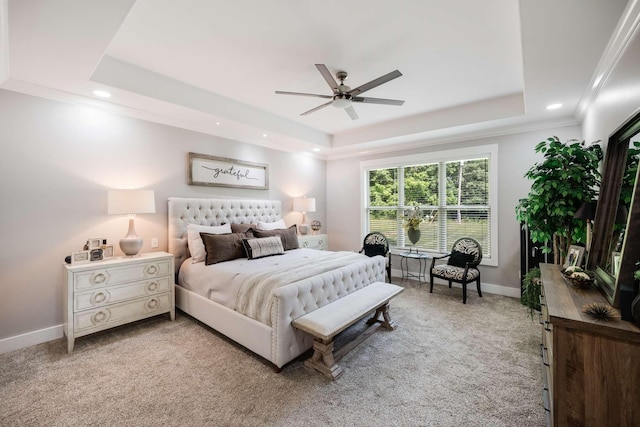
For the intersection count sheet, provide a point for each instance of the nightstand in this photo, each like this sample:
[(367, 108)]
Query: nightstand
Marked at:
[(314, 241), (102, 294)]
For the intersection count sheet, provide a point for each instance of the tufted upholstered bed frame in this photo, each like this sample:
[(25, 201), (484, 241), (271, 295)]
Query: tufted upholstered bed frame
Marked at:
[(280, 342)]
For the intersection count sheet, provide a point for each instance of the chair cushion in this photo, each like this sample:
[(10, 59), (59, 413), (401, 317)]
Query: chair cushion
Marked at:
[(460, 259), (373, 250), (452, 272)]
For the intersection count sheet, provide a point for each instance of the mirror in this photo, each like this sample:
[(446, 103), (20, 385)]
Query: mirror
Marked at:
[(616, 240)]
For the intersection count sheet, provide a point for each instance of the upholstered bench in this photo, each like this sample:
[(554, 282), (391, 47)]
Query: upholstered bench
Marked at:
[(328, 321)]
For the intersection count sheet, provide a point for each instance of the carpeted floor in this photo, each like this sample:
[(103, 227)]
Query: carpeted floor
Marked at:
[(447, 364)]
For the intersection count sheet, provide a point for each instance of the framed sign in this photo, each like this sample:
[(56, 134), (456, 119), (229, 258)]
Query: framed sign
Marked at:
[(224, 172)]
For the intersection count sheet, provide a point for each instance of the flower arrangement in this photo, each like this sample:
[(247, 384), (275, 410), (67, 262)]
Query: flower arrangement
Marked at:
[(413, 218), (636, 274)]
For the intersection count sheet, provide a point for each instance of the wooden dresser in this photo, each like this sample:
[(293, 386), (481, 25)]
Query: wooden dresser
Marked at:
[(103, 294), (591, 369)]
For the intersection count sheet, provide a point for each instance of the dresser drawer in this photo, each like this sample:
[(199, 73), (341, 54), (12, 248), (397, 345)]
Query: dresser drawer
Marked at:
[(113, 294), (105, 317), (101, 277), (319, 241)]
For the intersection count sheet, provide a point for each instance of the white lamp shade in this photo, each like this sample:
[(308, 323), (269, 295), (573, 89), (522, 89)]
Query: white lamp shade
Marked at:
[(304, 204), (131, 202)]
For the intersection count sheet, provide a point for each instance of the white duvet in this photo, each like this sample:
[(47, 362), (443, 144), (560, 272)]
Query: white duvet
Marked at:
[(221, 282)]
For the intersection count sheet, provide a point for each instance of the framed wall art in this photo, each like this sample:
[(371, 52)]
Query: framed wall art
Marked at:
[(215, 171)]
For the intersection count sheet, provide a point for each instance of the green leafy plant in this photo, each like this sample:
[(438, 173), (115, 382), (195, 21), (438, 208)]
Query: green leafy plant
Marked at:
[(531, 290), (636, 274), (566, 178)]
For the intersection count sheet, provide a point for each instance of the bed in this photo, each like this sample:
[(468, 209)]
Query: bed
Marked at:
[(270, 334)]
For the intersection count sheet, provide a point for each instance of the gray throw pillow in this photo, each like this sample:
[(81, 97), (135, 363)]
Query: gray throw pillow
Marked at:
[(224, 247), (289, 236), (262, 247)]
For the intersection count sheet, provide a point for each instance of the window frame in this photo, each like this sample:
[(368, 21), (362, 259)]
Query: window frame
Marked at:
[(456, 154)]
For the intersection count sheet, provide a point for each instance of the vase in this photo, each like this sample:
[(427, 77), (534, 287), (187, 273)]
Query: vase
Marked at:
[(414, 235)]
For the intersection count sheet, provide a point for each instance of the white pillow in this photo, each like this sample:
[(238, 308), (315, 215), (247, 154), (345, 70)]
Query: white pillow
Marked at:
[(271, 225), (194, 241)]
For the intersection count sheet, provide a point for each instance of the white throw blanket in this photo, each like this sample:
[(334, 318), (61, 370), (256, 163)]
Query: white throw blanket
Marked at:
[(254, 296)]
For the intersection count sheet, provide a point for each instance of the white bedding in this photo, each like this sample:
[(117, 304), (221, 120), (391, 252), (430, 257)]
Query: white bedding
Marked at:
[(221, 282)]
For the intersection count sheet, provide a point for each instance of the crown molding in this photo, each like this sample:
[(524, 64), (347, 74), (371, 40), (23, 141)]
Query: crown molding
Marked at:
[(625, 30)]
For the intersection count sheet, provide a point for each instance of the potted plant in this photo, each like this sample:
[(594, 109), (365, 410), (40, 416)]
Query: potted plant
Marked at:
[(566, 178), (531, 290)]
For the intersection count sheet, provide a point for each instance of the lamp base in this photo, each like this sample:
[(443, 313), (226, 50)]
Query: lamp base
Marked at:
[(131, 245), (304, 229)]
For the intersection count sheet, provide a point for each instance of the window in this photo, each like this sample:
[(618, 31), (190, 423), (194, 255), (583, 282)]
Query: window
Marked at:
[(455, 191)]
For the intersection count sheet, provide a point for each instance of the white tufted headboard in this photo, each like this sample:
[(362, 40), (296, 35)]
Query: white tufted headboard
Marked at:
[(184, 211)]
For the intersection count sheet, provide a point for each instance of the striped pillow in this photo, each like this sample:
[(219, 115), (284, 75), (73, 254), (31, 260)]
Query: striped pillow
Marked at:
[(265, 246)]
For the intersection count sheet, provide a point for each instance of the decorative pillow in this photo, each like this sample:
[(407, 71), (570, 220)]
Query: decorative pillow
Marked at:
[(194, 241), (242, 228), (262, 247), (224, 247), (288, 236), (271, 225), (460, 259)]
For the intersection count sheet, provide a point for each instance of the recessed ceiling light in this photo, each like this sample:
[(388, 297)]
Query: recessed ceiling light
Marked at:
[(553, 106), (218, 123), (316, 149), (264, 135), (102, 94)]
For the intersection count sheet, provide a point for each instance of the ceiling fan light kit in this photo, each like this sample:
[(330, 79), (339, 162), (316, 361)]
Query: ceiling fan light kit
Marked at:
[(343, 96)]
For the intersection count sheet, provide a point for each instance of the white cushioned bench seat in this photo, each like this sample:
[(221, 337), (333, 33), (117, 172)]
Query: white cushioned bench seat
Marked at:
[(328, 321)]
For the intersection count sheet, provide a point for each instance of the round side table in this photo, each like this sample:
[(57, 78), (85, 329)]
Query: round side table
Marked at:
[(422, 266)]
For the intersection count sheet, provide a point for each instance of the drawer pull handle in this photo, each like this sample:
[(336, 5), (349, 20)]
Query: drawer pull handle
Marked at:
[(99, 297), (99, 278), (152, 286), (305, 244), (100, 317), (151, 269), (153, 303)]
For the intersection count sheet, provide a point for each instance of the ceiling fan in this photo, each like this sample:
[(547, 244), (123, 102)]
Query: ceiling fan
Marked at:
[(343, 95)]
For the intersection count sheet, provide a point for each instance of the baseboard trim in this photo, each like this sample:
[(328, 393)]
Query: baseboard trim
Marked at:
[(486, 287), (31, 338)]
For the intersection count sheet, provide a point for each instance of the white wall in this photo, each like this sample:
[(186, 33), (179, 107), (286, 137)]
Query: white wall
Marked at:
[(515, 156), (57, 162)]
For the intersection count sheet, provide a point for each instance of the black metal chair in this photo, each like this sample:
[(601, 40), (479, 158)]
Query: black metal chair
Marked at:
[(461, 267), (376, 243)]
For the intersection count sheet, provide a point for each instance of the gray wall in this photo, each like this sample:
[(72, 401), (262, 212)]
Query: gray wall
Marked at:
[(57, 163), (515, 156)]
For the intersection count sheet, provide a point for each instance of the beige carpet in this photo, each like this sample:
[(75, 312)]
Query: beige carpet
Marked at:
[(447, 364)]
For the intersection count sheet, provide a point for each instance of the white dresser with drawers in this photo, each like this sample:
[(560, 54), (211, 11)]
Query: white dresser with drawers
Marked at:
[(314, 241), (103, 294)]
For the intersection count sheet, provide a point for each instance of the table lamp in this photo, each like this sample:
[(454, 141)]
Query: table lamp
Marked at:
[(131, 202), (304, 205)]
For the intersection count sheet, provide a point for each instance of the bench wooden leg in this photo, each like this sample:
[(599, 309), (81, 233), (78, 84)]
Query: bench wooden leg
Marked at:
[(323, 360), (386, 321)]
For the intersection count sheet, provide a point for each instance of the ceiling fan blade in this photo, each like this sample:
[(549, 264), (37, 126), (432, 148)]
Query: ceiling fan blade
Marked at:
[(375, 83), (367, 100), (327, 76), (351, 112), (316, 108), (281, 92)]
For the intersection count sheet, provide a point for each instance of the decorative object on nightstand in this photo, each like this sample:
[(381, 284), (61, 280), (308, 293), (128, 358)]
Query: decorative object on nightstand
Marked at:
[(131, 202), (304, 205), (113, 292), (315, 226)]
